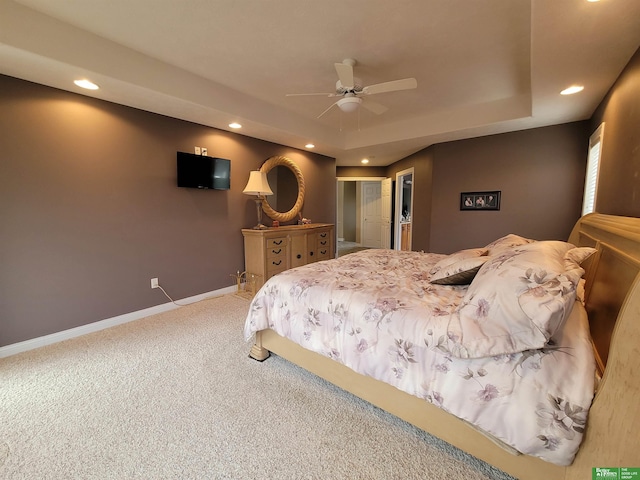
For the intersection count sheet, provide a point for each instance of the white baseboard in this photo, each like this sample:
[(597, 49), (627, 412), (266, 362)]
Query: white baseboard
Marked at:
[(27, 345)]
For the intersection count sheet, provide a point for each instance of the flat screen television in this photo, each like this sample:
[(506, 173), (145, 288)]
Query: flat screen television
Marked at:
[(200, 171)]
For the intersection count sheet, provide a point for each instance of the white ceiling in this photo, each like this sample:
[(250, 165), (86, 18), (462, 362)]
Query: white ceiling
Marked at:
[(482, 66)]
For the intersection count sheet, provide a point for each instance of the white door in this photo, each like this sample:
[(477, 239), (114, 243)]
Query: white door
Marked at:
[(385, 199), (371, 215), (340, 214)]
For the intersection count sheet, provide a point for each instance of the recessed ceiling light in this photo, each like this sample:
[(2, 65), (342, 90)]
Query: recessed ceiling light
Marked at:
[(86, 84), (235, 125), (364, 160), (309, 145), (572, 89)]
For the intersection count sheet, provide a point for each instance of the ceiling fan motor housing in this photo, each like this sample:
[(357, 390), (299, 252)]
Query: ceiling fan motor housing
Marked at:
[(342, 90)]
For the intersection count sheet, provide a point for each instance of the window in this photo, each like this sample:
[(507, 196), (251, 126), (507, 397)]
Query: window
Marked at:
[(593, 167)]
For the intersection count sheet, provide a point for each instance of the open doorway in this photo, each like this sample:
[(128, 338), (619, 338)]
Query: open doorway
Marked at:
[(363, 214)]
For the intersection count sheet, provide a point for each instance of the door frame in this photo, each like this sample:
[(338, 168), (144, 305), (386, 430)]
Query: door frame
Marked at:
[(397, 230)]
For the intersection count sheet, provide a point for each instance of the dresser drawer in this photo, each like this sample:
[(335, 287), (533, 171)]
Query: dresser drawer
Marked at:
[(276, 242), (274, 252), (323, 243), (276, 265), (324, 253)]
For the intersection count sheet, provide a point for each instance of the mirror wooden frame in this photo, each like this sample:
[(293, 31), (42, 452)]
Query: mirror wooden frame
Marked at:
[(266, 167)]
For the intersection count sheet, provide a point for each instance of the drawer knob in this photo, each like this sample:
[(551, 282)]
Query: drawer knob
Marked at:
[(276, 251), (277, 263), (277, 242), (311, 253), (322, 252), (324, 242), (298, 256)]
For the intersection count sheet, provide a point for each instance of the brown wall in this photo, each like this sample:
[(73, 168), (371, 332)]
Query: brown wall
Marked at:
[(361, 171), (90, 210), (540, 173), (619, 180)]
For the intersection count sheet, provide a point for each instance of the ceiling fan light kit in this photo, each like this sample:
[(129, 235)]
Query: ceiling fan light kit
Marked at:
[(350, 89), (349, 104)]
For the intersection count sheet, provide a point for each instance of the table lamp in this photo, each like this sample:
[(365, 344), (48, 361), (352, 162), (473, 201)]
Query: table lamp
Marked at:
[(259, 186)]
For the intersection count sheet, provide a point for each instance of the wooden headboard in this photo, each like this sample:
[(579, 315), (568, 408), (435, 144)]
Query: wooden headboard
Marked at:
[(613, 305), (610, 274)]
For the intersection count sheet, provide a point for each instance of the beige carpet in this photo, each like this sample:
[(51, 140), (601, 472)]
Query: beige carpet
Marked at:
[(175, 396), (345, 248)]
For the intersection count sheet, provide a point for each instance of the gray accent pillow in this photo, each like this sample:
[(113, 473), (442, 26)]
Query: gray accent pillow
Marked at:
[(459, 273)]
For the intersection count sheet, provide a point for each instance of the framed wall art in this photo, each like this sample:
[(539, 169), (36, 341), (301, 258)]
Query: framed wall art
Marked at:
[(480, 200)]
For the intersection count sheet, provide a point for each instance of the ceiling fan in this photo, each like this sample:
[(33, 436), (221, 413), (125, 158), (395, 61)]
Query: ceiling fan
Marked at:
[(351, 90)]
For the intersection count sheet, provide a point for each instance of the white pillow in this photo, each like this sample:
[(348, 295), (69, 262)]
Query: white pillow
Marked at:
[(506, 242), (457, 256), (576, 256), (516, 302), (573, 260)]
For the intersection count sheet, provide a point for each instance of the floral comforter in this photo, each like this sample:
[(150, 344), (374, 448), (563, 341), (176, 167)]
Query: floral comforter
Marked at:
[(376, 312)]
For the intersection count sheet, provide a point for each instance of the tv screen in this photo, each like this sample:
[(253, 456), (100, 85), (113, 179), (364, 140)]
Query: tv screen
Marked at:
[(200, 171)]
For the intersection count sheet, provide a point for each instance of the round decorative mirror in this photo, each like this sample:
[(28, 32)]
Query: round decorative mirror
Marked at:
[(281, 182)]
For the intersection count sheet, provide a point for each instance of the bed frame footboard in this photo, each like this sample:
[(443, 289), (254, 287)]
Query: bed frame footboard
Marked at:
[(414, 410)]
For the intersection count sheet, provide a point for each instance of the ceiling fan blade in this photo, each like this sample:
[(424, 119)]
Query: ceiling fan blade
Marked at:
[(374, 107), (330, 107), (393, 86), (345, 74), (307, 94)]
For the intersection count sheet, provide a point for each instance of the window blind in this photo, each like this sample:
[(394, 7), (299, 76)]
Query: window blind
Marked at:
[(593, 168)]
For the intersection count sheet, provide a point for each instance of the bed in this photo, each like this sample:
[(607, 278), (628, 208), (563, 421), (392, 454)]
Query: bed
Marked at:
[(564, 324)]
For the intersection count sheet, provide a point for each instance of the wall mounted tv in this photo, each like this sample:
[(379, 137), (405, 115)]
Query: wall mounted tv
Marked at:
[(200, 171)]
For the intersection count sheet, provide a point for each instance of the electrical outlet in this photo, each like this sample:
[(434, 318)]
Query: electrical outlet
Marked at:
[(154, 283), (197, 150), (203, 151)]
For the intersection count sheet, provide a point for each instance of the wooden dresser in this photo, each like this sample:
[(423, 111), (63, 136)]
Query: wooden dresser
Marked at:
[(271, 251)]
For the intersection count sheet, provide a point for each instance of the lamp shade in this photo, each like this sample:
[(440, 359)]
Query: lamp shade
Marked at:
[(257, 184)]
